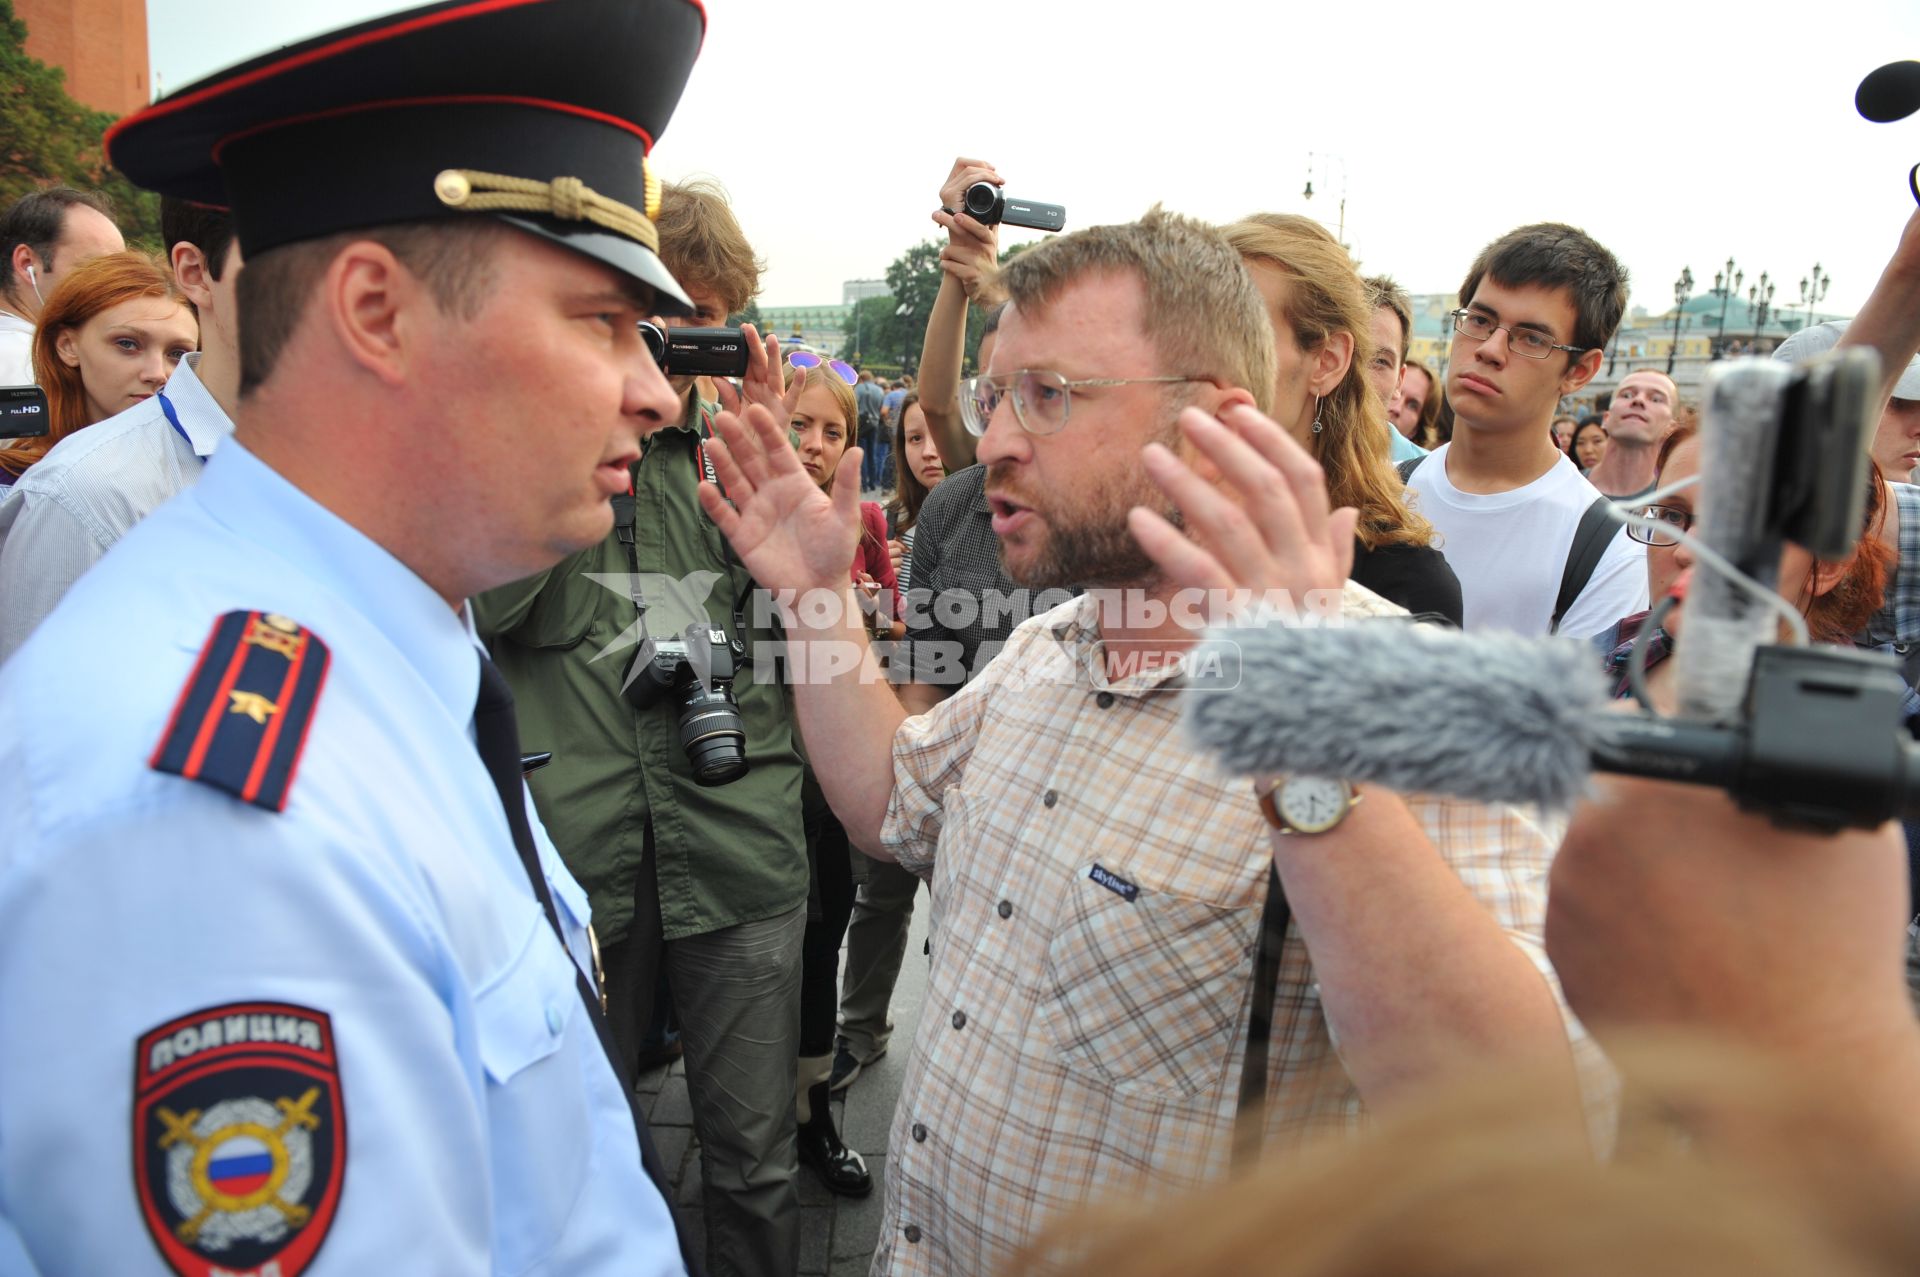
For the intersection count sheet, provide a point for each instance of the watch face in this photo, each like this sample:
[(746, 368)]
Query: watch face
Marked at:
[(1312, 804)]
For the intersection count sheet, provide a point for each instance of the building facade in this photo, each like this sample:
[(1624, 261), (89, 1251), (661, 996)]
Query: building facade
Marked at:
[(100, 44)]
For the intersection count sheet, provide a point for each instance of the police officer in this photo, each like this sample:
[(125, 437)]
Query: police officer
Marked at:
[(290, 978)]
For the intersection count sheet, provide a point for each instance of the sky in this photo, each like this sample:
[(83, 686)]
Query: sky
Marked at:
[(1674, 134)]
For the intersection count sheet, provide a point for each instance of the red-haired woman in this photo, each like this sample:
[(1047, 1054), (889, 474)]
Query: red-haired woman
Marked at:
[(109, 336)]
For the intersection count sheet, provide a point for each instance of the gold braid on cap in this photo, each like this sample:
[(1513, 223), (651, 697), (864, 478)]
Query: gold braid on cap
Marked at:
[(567, 198)]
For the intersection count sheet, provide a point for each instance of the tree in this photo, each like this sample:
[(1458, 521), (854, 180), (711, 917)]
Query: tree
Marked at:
[(47, 138), (894, 326)]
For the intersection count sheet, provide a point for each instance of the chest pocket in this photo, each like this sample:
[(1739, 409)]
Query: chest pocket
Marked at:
[(539, 1122), (1148, 994)]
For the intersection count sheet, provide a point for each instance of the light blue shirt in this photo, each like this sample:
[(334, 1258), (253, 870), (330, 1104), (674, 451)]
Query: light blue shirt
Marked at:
[(92, 486), (484, 1129), (1399, 446)]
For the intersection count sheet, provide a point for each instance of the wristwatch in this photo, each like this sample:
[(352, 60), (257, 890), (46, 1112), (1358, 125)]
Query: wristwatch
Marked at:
[(1307, 804)]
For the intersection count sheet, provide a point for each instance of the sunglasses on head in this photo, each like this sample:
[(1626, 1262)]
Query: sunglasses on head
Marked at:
[(807, 359)]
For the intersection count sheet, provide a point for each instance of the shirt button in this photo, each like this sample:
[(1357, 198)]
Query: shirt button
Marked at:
[(1104, 700), (1006, 908), (919, 1133), (959, 1019), (912, 1232), (554, 1019), (1050, 797)]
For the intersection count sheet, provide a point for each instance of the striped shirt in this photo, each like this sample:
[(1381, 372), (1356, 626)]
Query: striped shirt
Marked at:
[(1097, 887)]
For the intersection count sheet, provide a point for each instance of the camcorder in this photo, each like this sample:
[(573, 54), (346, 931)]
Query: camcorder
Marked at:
[(24, 413), (697, 352), (694, 672), (1817, 739), (990, 206)]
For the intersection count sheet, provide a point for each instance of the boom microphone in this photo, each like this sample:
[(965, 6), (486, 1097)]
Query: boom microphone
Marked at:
[(1504, 719), (1890, 93)]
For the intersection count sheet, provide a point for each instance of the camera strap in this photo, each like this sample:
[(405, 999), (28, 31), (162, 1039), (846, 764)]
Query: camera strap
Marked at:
[(1250, 1111)]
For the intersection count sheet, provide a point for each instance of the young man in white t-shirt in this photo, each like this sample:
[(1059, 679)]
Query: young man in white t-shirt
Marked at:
[(1537, 309)]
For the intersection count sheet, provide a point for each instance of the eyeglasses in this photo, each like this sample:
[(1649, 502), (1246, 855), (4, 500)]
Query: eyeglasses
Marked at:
[(807, 359), (1040, 399), (1522, 341), (1660, 532)]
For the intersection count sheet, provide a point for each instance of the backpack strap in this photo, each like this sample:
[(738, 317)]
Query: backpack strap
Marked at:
[(1590, 541), (1407, 467)]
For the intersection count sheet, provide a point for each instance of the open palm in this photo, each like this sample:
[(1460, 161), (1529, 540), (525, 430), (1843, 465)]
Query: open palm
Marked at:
[(790, 535)]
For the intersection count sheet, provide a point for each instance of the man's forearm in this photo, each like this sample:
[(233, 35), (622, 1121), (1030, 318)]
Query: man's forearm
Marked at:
[(941, 357), (1416, 976), (1890, 320), (848, 715)]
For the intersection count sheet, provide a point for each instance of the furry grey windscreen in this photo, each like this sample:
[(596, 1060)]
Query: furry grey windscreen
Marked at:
[(1417, 708)]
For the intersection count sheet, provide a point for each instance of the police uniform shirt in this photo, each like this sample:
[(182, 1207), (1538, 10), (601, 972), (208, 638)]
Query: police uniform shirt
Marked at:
[(93, 486), (340, 1035)]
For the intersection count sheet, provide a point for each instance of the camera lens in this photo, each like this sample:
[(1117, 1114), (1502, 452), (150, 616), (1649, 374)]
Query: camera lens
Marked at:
[(656, 339), (982, 199), (713, 735)]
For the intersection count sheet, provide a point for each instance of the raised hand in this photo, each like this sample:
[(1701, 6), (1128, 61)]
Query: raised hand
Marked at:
[(788, 533), (1269, 534), (766, 382)]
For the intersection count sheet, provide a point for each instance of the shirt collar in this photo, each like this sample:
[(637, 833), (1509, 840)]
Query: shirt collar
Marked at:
[(258, 504), (201, 415)]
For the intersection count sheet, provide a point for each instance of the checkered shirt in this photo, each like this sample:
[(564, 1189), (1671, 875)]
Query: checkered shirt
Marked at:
[(1898, 620), (1078, 1042)]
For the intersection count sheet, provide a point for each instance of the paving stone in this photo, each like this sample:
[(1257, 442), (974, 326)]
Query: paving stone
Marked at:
[(690, 1179), (856, 1220), (816, 1227), (672, 1143), (672, 1107)]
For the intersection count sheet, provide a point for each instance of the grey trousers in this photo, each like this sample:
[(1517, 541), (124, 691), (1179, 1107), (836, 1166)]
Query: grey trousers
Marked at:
[(736, 993), (876, 944)]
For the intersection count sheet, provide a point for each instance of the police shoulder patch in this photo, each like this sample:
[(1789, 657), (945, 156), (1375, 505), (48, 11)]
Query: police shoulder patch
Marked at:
[(242, 719), (239, 1138)]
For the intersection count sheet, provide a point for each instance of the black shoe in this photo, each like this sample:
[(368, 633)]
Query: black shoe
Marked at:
[(842, 1170), (847, 1065)]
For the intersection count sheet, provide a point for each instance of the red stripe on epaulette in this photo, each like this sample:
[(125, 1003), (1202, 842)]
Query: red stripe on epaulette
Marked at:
[(241, 721)]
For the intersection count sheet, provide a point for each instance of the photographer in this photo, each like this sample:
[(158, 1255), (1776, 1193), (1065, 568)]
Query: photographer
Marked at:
[(710, 881)]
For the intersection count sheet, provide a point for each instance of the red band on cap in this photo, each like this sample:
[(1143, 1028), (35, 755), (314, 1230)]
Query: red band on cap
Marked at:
[(421, 23), (499, 99)]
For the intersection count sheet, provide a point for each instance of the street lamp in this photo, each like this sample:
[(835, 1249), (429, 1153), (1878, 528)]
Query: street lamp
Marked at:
[(1813, 288), (1759, 306), (1725, 284), (1341, 232), (1682, 289)]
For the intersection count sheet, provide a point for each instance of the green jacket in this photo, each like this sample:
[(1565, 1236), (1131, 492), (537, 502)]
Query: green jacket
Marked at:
[(731, 854)]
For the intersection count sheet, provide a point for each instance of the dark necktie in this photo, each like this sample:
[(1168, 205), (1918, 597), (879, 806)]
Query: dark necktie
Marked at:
[(497, 735)]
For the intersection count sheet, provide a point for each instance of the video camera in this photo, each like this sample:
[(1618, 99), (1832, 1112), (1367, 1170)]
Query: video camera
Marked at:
[(696, 352), (24, 413), (989, 206), (1810, 736)]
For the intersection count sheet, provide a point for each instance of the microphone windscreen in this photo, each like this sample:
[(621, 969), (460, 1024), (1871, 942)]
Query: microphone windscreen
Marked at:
[(1416, 708), (1890, 93)]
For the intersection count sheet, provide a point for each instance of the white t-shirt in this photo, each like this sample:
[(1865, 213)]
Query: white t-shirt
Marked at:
[(16, 350), (1509, 550)]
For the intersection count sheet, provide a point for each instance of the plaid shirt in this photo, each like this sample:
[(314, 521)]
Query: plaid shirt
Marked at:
[(1898, 620), (1083, 1032)]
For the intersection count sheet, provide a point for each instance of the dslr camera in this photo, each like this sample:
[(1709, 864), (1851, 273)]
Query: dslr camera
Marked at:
[(696, 352), (695, 673), (989, 206)]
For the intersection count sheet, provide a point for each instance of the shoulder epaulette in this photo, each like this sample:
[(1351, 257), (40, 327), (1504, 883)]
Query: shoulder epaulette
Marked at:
[(241, 721)]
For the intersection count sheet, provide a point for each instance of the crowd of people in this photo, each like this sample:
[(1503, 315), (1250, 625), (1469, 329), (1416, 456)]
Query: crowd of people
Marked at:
[(428, 709)]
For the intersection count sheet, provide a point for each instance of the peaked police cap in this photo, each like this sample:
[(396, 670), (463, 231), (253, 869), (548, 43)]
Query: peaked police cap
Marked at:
[(538, 112)]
